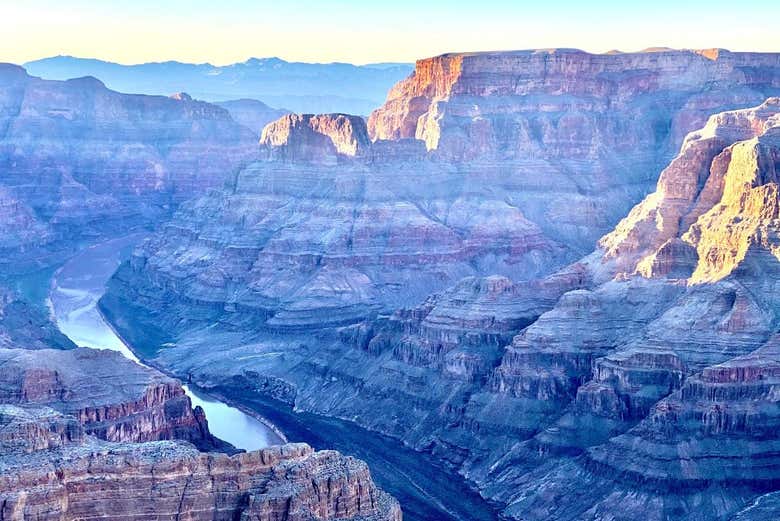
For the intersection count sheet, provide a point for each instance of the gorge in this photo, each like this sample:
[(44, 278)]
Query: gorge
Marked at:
[(531, 285)]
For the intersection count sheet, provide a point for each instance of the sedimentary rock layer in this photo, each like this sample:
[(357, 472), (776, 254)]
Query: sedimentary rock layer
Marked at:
[(79, 159), (678, 397), (81, 436), (113, 398), (59, 473), (659, 345)]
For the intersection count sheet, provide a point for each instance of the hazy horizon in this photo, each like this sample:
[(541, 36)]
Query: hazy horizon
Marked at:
[(355, 32)]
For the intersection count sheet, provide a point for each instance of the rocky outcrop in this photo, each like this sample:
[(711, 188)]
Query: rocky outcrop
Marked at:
[(349, 234), (80, 160), (113, 398), (316, 138), (682, 400), (25, 325), (563, 102), (722, 172), (87, 433), (575, 130), (60, 473)]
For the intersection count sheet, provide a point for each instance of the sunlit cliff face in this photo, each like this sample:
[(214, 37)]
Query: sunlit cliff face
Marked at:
[(716, 205)]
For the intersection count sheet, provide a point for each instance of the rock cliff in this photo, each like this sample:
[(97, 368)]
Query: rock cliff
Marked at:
[(89, 434), (625, 382), (113, 398), (80, 160), (316, 138), (669, 379), (575, 130), (59, 473), (565, 102)]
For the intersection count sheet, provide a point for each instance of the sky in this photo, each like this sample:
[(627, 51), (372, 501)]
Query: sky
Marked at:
[(228, 31)]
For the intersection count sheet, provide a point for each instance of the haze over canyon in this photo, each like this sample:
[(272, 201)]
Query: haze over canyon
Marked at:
[(522, 285)]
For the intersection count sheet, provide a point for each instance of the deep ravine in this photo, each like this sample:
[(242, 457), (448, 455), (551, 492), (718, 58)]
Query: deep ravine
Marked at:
[(425, 489)]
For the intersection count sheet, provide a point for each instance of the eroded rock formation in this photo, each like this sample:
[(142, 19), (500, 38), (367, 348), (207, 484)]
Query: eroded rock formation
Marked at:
[(316, 138), (113, 398), (80, 160), (680, 398), (52, 470), (89, 434), (659, 345)]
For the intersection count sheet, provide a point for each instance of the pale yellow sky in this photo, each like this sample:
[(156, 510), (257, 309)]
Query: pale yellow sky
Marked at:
[(360, 32)]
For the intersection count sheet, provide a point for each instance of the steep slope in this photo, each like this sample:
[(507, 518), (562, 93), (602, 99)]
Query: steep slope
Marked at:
[(79, 160), (670, 383), (113, 398), (581, 134), (89, 434), (53, 471), (24, 324), (648, 347), (301, 87), (327, 232)]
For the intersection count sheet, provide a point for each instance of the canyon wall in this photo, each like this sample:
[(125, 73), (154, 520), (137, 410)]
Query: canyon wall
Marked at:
[(79, 160), (89, 434), (431, 279), (112, 398), (53, 471)]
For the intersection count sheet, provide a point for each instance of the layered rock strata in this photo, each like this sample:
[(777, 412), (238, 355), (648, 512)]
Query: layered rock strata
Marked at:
[(59, 473), (79, 159), (656, 345), (575, 130), (89, 434), (682, 403), (113, 398)]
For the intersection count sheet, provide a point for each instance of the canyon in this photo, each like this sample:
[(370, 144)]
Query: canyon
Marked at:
[(88, 432), (531, 285), (81, 161), (437, 264)]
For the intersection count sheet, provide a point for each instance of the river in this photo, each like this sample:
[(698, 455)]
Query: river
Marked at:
[(75, 290), (426, 489)]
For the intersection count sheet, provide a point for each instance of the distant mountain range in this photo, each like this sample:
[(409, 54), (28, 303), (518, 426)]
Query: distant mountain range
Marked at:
[(299, 87)]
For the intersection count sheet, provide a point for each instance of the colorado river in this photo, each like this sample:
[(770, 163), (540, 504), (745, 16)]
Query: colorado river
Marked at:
[(75, 290)]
